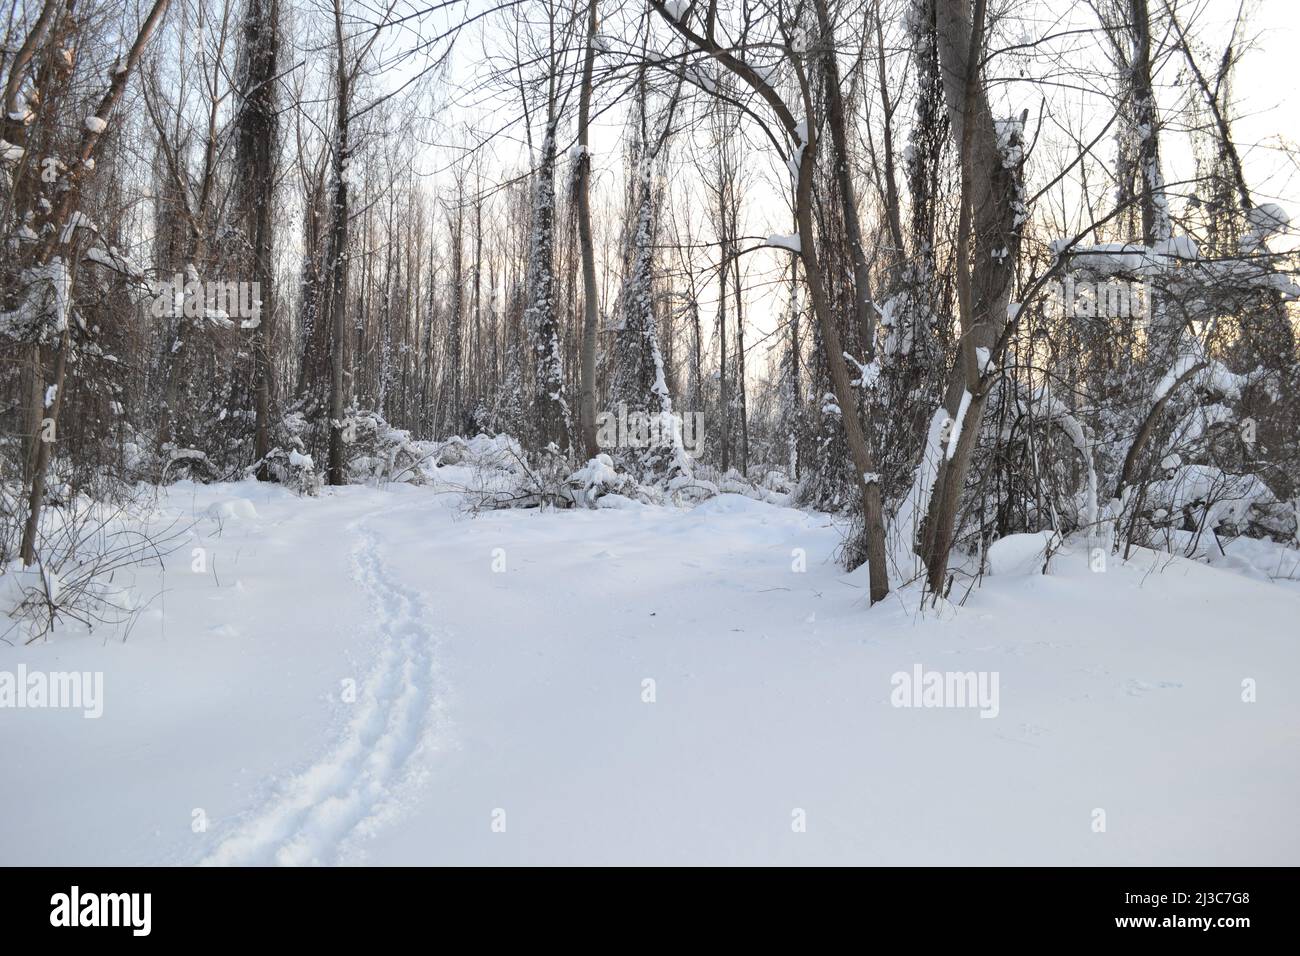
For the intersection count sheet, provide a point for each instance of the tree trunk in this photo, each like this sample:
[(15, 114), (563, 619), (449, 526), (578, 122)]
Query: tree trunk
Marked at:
[(338, 258), (55, 220), (590, 302), (1155, 209), (989, 191), (867, 479), (257, 138)]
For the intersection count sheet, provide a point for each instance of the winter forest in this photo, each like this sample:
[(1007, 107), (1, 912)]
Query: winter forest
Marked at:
[(512, 431)]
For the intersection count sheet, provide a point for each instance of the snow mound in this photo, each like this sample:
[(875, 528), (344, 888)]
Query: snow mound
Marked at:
[(20, 584), (239, 509), (729, 503), (616, 502), (1022, 554)]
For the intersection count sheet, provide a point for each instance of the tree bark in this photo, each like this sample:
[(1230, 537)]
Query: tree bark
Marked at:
[(257, 136), (58, 217), (590, 301), (989, 191), (338, 254)]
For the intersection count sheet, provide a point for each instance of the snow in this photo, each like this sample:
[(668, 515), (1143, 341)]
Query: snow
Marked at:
[(1268, 218), (1011, 135), (911, 512), (46, 305), (868, 373), (95, 125), (1020, 554), (1046, 404), (594, 478), (1214, 376), (1216, 495), (1265, 220), (18, 584), (954, 436), (1181, 367), (1115, 258), (676, 9), (1177, 247), (783, 241), (75, 221), (111, 258), (228, 508), (729, 504), (701, 78), (351, 679)]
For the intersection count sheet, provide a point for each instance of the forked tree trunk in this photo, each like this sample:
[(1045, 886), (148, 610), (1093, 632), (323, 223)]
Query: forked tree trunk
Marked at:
[(989, 193)]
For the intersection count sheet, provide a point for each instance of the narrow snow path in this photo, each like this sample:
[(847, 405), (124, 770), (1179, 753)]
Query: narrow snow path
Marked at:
[(353, 787)]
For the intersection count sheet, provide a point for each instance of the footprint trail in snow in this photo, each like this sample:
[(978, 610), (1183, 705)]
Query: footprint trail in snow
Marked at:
[(352, 789)]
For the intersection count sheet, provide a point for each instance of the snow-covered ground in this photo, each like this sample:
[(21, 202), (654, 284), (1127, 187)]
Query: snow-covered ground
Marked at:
[(375, 676)]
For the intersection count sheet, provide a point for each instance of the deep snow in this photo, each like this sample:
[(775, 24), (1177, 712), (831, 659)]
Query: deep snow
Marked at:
[(501, 708)]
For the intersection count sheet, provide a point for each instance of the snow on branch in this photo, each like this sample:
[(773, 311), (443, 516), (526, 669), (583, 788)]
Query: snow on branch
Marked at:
[(790, 242)]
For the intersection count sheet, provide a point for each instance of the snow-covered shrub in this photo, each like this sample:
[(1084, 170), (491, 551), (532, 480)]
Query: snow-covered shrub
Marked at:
[(29, 597), (492, 452), (494, 472), (378, 452), (288, 462), (706, 482), (497, 475), (1206, 499), (778, 482), (597, 478), (687, 490), (82, 548), (186, 463), (453, 451), (374, 451)]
